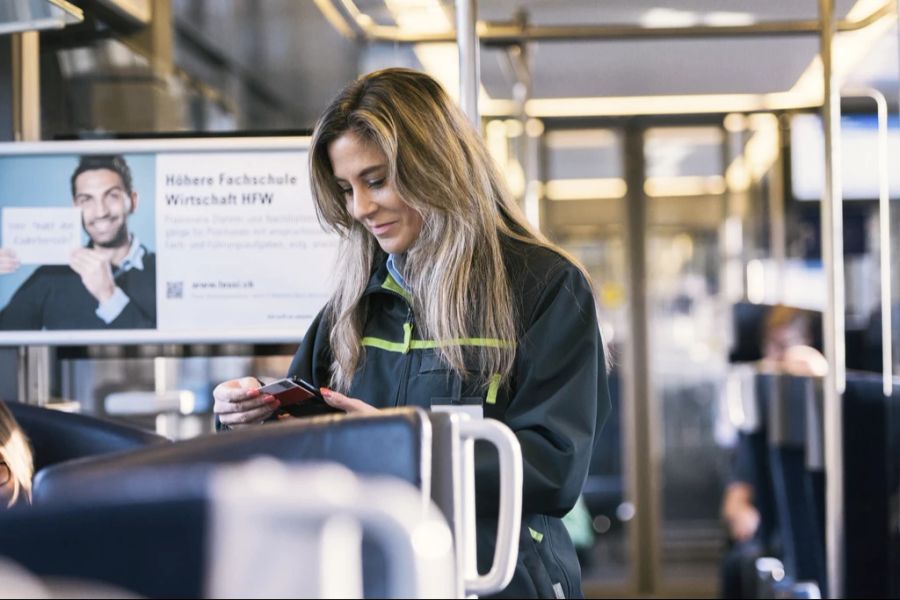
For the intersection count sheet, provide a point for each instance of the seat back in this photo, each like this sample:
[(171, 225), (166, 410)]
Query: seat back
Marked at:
[(153, 547), (58, 436), (260, 529), (871, 479), (754, 448), (395, 443), (802, 535)]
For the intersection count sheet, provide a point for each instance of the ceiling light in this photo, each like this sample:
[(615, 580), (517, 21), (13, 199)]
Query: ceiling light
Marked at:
[(667, 17), (586, 189), (664, 187), (728, 19)]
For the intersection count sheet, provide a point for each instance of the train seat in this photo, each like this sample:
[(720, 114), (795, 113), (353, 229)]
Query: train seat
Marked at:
[(259, 529), (58, 436)]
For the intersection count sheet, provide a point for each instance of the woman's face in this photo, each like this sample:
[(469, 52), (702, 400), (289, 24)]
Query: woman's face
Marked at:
[(361, 171)]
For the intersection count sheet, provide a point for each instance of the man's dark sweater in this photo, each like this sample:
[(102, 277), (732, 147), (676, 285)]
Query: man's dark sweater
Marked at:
[(55, 298)]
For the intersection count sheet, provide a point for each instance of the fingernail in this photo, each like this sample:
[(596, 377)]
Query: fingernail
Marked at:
[(326, 393)]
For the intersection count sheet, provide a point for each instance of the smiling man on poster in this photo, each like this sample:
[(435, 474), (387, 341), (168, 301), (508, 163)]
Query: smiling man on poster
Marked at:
[(108, 284)]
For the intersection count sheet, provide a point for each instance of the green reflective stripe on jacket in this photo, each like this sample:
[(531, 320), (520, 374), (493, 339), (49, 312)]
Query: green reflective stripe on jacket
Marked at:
[(493, 342), (410, 344), (407, 336), (401, 347), (383, 344), (391, 284), (536, 535), (493, 387)]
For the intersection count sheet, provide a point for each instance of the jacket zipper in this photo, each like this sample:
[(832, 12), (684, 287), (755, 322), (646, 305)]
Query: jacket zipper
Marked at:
[(408, 327)]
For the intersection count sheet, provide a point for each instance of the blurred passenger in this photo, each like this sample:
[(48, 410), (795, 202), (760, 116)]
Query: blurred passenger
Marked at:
[(16, 464), (447, 296), (787, 349), (108, 284), (787, 343)]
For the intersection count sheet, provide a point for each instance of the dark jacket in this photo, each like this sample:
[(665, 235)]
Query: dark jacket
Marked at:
[(555, 401), (54, 297)]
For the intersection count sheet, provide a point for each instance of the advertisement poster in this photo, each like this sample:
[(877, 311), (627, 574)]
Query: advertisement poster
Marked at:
[(239, 243), (179, 241)]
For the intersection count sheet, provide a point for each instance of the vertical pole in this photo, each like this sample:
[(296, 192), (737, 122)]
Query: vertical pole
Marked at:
[(156, 41), (26, 86), (777, 229), (469, 61), (33, 365), (728, 237), (833, 259), (641, 448)]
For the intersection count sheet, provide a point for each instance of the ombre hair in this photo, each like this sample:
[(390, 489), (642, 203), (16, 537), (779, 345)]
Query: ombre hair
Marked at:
[(16, 453), (439, 166)]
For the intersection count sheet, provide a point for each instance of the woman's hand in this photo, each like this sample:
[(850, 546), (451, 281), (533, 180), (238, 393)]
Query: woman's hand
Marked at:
[(348, 405), (239, 403)]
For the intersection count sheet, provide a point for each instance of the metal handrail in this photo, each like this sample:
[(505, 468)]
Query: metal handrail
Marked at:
[(884, 226)]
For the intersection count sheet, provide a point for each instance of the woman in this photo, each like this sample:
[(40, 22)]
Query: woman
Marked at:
[(446, 296), (16, 464)]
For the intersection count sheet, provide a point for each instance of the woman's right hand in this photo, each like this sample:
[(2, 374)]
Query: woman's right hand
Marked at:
[(9, 262), (238, 403)]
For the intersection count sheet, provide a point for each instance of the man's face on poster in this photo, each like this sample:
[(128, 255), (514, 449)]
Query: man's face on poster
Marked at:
[(105, 205)]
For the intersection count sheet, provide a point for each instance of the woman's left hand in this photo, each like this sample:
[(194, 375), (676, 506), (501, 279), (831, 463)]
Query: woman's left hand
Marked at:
[(348, 405)]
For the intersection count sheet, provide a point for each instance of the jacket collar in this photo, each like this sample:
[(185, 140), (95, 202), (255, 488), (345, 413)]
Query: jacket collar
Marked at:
[(381, 280)]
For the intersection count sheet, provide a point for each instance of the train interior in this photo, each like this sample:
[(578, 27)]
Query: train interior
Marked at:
[(687, 152)]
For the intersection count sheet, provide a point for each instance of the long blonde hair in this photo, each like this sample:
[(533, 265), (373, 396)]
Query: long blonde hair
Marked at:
[(16, 453), (441, 168)]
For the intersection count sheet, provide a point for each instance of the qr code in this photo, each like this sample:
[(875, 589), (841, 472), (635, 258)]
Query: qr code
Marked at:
[(174, 289)]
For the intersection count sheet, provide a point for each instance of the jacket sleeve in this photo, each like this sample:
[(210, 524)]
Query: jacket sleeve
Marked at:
[(312, 360), (558, 403)]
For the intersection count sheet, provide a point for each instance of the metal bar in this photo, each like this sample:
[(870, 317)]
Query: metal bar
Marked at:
[(335, 18), (469, 63), (884, 226), (725, 241), (513, 33), (26, 86), (73, 11), (33, 365), (833, 260), (777, 227), (640, 443)]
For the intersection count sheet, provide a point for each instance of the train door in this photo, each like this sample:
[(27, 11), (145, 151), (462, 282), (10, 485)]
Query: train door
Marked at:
[(643, 206)]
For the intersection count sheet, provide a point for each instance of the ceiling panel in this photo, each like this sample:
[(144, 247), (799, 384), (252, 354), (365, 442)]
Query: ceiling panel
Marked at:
[(654, 66), (600, 12)]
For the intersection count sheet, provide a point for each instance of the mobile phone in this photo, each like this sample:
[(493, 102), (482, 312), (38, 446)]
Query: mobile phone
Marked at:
[(292, 390)]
